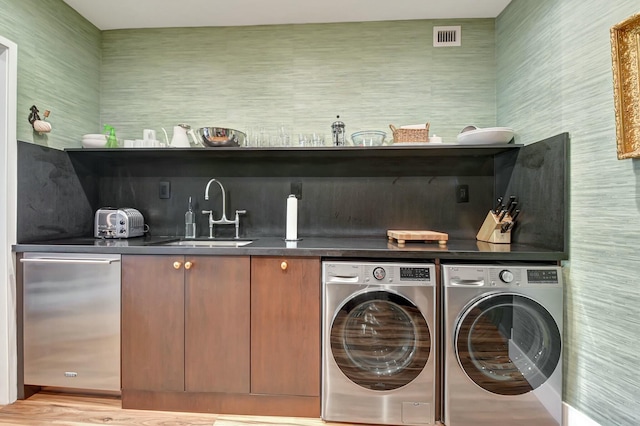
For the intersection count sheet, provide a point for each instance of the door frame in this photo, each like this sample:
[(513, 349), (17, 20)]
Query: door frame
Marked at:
[(8, 203)]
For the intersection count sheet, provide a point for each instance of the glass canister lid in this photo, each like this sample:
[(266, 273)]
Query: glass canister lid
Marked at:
[(337, 124)]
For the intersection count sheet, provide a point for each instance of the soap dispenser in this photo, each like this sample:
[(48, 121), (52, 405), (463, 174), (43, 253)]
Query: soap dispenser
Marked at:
[(189, 222), (112, 141)]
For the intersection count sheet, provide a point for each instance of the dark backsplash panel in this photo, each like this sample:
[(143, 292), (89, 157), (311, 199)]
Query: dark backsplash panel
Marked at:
[(538, 175), (52, 202), (330, 206), (343, 193)]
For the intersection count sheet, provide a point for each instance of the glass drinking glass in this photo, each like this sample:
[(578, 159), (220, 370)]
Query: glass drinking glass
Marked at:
[(304, 139), (284, 135), (317, 139)]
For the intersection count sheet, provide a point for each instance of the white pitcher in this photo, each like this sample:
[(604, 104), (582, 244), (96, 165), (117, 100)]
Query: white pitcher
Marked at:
[(180, 138)]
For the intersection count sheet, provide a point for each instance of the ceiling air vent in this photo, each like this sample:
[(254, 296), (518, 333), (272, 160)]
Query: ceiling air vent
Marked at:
[(447, 36)]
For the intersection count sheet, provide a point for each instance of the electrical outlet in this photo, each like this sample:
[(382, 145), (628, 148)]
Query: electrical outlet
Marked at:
[(296, 189), (462, 193), (165, 190)]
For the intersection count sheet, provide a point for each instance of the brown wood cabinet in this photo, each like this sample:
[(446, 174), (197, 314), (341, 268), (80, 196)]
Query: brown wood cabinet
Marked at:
[(185, 323), (285, 326), (221, 334)]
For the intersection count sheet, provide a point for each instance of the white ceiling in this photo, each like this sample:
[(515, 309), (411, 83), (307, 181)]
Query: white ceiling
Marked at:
[(120, 14)]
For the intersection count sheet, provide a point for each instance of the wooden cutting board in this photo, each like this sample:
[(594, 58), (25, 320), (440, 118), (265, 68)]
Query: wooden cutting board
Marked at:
[(402, 236)]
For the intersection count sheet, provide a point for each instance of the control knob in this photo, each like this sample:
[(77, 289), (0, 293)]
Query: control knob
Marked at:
[(506, 276), (379, 273)]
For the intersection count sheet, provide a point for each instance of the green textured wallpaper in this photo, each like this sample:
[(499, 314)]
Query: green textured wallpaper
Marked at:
[(543, 67), (58, 68), (554, 75), (301, 76)]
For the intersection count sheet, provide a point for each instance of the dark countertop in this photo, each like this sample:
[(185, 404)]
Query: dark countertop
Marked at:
[(355, 247)]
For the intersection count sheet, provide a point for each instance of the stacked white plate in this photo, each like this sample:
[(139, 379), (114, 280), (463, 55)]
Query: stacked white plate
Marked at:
[(486, 136), (94, 140)]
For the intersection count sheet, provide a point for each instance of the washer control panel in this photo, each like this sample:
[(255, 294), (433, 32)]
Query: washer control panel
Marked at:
[(379, 273), (399, 274)]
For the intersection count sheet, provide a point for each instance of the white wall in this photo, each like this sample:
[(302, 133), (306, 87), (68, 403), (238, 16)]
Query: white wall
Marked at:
[(8, 181)]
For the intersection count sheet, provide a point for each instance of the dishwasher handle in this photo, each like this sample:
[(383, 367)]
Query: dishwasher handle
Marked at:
[(83, 261)]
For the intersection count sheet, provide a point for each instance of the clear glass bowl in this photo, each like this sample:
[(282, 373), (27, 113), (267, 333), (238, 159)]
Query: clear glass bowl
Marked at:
[(368, 138)]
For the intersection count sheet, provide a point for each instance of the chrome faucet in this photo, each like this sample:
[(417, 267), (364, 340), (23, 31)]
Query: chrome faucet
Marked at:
[(223, 219)]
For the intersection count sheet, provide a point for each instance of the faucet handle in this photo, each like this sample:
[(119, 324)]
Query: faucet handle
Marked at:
[(210, 213), (237, 222)]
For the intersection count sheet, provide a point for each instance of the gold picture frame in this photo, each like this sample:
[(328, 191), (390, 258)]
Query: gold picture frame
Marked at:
[(625, 51)]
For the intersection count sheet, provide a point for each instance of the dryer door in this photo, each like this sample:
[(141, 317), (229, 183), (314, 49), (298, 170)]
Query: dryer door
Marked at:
[(508, 344), (380, 340)]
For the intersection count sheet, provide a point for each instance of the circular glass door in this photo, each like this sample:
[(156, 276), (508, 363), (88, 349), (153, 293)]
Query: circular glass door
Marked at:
[(380, 340), (508, 344)]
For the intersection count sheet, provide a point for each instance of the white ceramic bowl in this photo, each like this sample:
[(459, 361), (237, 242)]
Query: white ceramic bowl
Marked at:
[(94, 142), (486, 136)]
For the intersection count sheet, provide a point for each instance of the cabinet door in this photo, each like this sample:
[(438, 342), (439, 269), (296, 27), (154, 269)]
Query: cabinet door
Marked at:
[(285, 326), (217, 324), (152, 323)]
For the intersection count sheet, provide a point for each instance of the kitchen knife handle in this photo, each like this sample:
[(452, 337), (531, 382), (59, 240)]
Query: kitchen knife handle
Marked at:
[(496, 210), (512, 207), (515, 215), (505, 227), (502, 215)]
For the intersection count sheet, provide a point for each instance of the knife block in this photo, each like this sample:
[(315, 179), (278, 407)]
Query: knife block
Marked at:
[(490, 230)]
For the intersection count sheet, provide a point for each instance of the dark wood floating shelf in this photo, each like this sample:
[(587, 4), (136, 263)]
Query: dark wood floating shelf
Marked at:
[(443, 160), (295, 152)]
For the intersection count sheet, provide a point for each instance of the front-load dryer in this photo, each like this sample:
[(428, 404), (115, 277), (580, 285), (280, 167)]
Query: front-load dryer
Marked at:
[(502, 345), (379, 349)]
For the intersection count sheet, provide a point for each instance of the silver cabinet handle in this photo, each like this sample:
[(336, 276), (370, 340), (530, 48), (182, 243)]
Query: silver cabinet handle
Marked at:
[(62, 260)]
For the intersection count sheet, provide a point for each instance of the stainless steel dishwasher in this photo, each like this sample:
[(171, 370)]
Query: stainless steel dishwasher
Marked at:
[(71, 320)]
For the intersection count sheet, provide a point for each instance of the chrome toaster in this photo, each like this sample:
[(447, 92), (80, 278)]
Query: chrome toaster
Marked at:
[(118, 223)]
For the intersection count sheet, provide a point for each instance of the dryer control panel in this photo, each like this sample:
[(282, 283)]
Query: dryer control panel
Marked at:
[(501, 276)]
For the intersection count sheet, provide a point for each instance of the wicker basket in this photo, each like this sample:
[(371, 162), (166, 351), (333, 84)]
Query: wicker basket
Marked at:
[(410, 135)]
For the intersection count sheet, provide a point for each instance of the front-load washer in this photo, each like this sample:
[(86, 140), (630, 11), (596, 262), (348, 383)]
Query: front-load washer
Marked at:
[(502, 345), (378, 343)]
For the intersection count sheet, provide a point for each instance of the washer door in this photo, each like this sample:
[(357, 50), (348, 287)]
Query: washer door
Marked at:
[(380, 340), (508, 344)]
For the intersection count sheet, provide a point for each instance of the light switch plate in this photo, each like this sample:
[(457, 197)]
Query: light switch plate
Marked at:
[(165, 190), (462, 193)]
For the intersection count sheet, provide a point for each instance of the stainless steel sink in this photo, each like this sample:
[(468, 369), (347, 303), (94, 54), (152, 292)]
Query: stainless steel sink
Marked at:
[(209, 243)]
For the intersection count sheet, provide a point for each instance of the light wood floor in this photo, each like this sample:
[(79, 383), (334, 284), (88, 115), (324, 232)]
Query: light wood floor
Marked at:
[(78, 410)]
